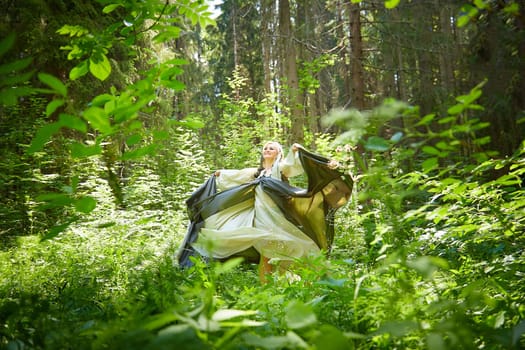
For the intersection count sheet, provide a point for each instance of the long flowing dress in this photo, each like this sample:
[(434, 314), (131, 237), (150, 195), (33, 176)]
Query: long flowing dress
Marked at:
[(237, 214)]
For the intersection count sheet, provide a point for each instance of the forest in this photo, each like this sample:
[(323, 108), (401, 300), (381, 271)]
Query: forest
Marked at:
[(113, 112)]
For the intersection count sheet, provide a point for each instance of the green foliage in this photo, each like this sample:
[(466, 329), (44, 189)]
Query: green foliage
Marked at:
[(24, 176), (13, 75), (471, 12), (247, 122), (358, 124), (86, 277), (389, 4), (308, 81), (114, 125), (179, 173), (428, 254), (456, 205), (110, 282)]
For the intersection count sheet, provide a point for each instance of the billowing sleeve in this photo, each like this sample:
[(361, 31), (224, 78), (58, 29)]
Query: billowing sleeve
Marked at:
[(291, 165), (229, 178)]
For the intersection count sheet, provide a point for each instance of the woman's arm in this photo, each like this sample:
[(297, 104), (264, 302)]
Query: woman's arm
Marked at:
[(227, 178), (291, 165)]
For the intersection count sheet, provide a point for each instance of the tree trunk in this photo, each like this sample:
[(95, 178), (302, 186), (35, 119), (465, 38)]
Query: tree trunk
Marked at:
[(356, 61), (422, 20), (289, 69), (267, 14), (447, 57), (235, 47), (346, 94)]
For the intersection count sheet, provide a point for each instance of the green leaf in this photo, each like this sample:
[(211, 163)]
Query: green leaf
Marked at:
[(171, 72), (517, 332), (79, 150), (447, 120), (160, 135), (228, 265), (456, 109), (482, 141), (110, 8), (72, 30), (16, 79), (429, 164), (474, 94), (159, 320), (390, 4), (191, 123), (398, 328), (9, 97), (106, 224), (139, 153), (133, 139), (173, 84), (444, 146), (480, 4), (178, 336), (53, 83), (7, 43), (167, 33), (431, 150), (100, 67), (289, 341), (426, 119), (75, 53), (427, 265), (376, 143), (134, 125), (15, 66), (512, 9), (52, 106), (102, 99), (467, 12), (72, 122), (299, 315), (58, 199), (85, 204), (42, 136), (126, 110), (79, 71), (499, 319), (435, 341), (55, 231), (227, 314), (331, 338), (98, 119)]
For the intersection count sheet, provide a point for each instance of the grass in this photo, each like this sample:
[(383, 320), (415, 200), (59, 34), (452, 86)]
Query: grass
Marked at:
[(59, 289), (110, 282)]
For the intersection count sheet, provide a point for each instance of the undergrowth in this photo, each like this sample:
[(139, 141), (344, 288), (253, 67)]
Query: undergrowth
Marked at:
[(111, 282), (425, 257)]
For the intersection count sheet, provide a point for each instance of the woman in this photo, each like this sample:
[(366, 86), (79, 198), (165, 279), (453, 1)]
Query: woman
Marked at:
[(255, 213)]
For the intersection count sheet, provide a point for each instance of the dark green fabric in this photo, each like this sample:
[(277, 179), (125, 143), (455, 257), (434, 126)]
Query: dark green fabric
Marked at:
[(311, 209)]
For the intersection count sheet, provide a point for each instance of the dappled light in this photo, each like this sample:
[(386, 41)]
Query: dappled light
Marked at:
[(115, 117)]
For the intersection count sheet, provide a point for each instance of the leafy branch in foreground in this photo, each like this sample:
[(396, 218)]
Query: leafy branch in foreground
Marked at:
[(114, 124)]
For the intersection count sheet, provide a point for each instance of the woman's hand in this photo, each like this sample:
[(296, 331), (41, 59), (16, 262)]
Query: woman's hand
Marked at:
[(295, 147), (217, 173)]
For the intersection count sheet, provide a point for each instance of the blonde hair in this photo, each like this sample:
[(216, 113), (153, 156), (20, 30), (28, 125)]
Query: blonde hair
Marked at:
[(276, 161)]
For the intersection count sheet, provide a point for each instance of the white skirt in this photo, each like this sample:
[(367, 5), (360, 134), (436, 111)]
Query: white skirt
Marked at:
[(257, 223)]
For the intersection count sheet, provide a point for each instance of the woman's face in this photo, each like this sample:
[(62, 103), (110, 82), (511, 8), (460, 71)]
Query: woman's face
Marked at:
[(270, 151)]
